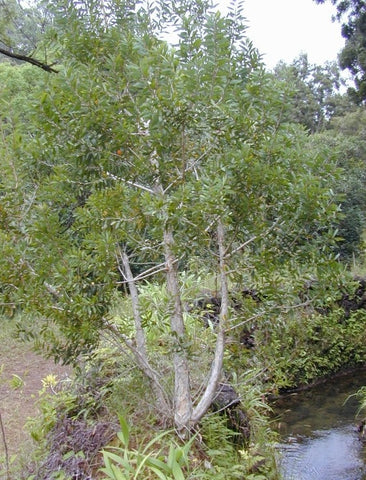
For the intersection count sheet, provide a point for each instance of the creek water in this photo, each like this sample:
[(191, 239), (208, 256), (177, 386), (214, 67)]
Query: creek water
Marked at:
[(318, 431)]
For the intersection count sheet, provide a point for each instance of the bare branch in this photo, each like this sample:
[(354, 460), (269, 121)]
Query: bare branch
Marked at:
[(140, 351), (288, 308), (151, 271), (252, 239), (247, 320), (146, 274), (133, 184), (140, 335), (187, 169), (27, 59), (30, 202), (243, 245), (52, 290)]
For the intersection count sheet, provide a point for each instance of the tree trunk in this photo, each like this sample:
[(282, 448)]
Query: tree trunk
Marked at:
[(216, 366), (182, 389), (140, 350)]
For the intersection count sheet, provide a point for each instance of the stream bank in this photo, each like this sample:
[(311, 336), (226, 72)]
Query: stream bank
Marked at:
[(318, 438)]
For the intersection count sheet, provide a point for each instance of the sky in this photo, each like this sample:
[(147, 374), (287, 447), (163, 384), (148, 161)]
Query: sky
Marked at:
[(283, 29)]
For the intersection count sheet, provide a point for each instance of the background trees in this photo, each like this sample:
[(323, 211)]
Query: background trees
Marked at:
[(313, 99), (312, 93), (346, 136), (22, 33), (352, 57)]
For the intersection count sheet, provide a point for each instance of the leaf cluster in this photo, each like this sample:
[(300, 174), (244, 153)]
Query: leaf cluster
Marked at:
[(135, 135)]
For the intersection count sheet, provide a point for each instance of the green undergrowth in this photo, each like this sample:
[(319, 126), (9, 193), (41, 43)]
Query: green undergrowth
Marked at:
[(288, 346), (137, 446), (316, 346), (300, 336), (211, 453)]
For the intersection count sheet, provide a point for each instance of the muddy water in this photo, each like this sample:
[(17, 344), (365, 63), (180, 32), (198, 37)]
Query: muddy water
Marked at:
[(318, 432)]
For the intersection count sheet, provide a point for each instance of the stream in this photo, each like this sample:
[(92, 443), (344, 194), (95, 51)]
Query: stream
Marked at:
[(318, 431)]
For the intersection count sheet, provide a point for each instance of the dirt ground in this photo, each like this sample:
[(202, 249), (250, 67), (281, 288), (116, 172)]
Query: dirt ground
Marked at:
[(21, 374)]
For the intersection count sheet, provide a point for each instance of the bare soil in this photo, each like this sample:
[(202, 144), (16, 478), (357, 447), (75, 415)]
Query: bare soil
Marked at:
[(21, 374)]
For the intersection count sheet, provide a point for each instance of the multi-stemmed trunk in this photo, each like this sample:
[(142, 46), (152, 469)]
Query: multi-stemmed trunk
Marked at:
[(182, 389), (180, 407), (185, 415)]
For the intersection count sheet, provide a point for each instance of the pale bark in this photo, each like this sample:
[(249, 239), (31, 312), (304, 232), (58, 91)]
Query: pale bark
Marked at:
[(182, 402), (182, 389), (216, 366), (140, 351), (140, 334)]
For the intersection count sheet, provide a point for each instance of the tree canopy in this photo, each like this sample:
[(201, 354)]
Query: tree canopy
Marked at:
[(353, 56), (22, 32), (312, 92), (145, 160)]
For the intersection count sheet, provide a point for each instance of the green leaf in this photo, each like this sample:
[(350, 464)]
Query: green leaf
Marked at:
[(177, 471), (118, 474), (159, 464), (111, 457), (124, 434), (159, 473)]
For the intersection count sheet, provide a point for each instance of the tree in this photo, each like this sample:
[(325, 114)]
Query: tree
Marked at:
[(20, 86), (21, 31), (312, 93), (352, 57), (346, 135), (166, 157)]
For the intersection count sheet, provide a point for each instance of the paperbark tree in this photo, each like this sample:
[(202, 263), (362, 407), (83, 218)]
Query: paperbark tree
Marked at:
[(156, 155)]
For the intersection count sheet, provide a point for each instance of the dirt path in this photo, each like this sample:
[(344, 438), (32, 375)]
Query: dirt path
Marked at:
[(21, 368)]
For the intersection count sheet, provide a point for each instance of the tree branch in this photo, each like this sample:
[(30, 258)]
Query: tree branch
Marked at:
[(133, 184), (31, 60), (7, 462), (182, 389), (140, 350), (216, 366), (252, 239)]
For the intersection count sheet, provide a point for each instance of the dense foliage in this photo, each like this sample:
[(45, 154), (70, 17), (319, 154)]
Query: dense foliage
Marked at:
[(177, 206), (352, 57), (313, 99), (312, 93)]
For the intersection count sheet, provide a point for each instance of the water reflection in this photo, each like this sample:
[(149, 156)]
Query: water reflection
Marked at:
[(318, 432)]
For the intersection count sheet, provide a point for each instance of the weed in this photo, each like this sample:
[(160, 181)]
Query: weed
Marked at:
[(145, 462)]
